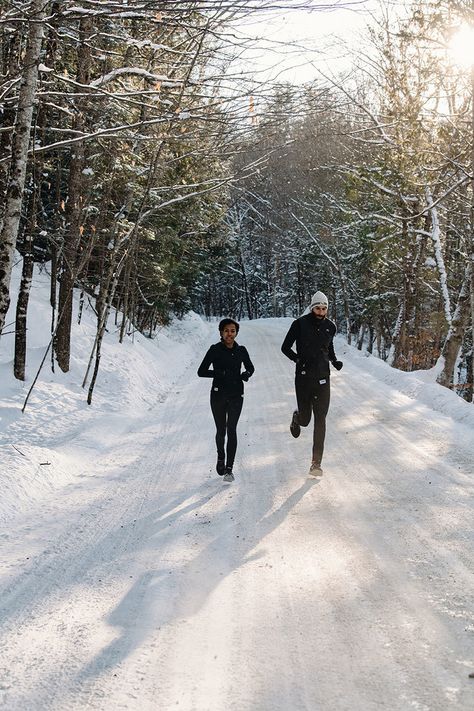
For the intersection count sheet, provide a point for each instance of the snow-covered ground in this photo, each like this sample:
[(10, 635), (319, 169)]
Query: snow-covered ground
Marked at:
[(132, 577)]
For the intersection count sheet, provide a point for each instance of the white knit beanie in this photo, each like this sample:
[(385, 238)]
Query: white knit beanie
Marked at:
[(319, 298)]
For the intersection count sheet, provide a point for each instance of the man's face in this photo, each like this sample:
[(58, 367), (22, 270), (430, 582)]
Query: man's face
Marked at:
[(320, 311)]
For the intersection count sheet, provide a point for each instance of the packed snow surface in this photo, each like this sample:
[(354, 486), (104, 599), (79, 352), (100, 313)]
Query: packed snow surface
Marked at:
[(133, 578)]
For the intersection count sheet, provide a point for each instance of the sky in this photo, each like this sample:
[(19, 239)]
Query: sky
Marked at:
[(133, 578), (317, 38)]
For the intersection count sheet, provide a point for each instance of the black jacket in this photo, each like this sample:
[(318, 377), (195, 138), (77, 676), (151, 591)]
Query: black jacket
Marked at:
[(226, 368), (314, 345)]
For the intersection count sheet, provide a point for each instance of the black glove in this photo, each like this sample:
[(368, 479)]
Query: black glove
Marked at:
[(245, 375), (337, 364)]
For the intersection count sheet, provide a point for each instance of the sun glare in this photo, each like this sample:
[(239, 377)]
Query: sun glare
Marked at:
[(461, 46)]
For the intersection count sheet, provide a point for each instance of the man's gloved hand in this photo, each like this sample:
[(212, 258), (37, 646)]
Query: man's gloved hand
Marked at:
[(337, 364), (245, 375)]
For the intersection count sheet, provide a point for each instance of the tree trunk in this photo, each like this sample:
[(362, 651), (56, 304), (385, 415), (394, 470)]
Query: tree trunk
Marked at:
[(20, 144), (8, 67), (401, 354), (361, 338), (22, 309), (397, 337), (102, 325), (74, 208), (370, 345), (345, 299), (456, 332), (471, 246), (417, 357), (245, 286), (126, 295)]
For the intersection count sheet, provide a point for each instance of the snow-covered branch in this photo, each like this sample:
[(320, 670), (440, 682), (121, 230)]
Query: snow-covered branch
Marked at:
[(134, 71)]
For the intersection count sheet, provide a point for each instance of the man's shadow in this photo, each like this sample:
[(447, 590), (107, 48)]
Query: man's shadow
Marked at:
[(159, 597)]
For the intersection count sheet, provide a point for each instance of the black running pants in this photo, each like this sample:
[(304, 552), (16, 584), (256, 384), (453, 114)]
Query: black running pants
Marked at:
[(226, 411), (313, 397)]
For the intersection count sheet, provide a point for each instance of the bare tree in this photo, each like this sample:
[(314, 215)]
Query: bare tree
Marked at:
[(35, 14)]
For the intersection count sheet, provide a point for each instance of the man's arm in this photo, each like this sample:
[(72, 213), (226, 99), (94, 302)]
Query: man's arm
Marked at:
[(332, 356), (290, 338)]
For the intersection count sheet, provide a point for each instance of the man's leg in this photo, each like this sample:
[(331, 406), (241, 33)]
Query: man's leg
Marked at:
[(303, 392), (320, 410)]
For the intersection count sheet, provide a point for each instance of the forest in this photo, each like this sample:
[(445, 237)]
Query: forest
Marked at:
[(143, 163)]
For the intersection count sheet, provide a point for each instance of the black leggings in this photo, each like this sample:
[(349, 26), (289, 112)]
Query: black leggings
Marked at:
[(226, 410)]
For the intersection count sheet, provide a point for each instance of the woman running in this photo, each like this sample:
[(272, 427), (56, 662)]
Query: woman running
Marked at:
[(227, 391)]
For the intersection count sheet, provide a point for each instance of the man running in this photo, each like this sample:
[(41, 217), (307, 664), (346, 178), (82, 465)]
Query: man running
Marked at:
[(314, 335)]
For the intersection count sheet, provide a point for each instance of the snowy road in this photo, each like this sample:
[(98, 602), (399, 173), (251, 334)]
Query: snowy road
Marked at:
[(154, 586)]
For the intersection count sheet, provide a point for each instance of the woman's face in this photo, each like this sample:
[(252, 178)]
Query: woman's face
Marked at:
[(228, 335)]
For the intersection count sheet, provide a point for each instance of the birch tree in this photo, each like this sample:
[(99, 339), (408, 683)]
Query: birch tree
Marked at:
[(35, 13)]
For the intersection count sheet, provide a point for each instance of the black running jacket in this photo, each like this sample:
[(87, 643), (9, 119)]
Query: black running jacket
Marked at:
[(314, 344), (226, 369)]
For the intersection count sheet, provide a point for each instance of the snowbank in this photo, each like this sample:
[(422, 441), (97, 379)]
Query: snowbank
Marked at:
[(419, 385), (59, 436)]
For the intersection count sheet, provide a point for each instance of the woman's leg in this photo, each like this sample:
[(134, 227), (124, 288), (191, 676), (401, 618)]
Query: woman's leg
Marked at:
[(234, 408), (218, 407)]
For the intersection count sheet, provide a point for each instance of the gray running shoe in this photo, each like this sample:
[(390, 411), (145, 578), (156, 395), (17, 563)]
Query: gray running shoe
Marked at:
[(315, 469), (228, 476)]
